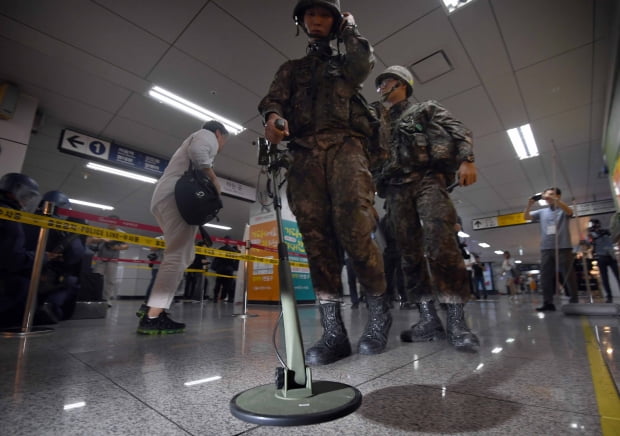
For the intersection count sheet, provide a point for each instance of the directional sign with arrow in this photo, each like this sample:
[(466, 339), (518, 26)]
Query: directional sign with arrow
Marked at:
[(84, 145)]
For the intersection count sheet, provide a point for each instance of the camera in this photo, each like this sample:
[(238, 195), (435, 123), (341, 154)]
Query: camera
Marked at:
[(263, 151), (269, 155), (536, 197)]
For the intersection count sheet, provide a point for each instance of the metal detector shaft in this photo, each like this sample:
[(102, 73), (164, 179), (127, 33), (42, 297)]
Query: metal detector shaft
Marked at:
[(292, 330)]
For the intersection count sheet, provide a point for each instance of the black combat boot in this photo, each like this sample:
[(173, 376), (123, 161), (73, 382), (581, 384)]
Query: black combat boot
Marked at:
[(334, 344), (429, 327), (459, 334), (375, 336)]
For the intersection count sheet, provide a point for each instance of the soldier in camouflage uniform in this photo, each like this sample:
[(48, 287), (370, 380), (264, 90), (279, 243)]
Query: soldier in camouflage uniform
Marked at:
[(330, 188), (424, 147)]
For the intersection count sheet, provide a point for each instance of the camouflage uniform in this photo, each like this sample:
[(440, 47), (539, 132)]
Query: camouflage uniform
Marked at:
[(330, 188), (426, 146)]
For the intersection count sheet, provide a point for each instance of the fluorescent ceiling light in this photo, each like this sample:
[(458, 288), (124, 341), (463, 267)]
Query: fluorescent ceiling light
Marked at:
[(453, 5), (89, 204), (518, 261), (462, 234), (484, 245), (122, 173), (165, 96), (215, 226), (498, 252), (523, 141)]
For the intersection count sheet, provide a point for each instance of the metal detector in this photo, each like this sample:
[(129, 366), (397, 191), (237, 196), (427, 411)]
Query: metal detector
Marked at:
[(293, 398)]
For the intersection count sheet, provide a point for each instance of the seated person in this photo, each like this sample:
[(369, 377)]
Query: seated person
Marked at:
[(19, 192), (59, 283)]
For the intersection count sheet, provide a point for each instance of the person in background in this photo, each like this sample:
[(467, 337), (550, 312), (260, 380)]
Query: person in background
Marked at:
[(604, 253), (510, 273), (351, 281), (155, 258), (555, 234), (108, 253), (316, 102), (467, 257), (392, 264), (199, 149), (225, 267), (478, 269), (193, 279)]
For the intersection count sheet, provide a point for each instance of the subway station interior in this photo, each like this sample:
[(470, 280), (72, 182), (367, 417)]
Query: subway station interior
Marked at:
[(78, 77)]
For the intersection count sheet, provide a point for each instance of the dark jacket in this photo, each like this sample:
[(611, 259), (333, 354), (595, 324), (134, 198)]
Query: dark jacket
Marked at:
[(222, 265)]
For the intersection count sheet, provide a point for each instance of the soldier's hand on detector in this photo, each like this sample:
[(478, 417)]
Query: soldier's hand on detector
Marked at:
[(275, 133)]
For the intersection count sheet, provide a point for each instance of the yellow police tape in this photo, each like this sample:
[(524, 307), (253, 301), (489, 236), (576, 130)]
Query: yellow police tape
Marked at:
[(99, 232)]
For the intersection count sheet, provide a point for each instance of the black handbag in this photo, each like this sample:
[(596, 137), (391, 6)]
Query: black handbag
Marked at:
[(197, 198)]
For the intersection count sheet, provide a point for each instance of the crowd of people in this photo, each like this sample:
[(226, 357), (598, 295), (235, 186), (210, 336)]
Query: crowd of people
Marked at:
[(342, 150)]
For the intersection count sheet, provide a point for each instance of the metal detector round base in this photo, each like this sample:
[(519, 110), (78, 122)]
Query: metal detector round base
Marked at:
[(329, 401), (594, 309), (18, 332)]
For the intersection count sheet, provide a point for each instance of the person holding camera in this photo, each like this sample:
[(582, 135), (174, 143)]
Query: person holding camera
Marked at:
[(604, 253), (199, 149), (555, 235), (426, 149), (330, 188)]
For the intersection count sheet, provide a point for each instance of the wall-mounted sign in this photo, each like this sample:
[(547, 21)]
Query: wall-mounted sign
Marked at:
[(90, 147), (514, 219), (82, 145)]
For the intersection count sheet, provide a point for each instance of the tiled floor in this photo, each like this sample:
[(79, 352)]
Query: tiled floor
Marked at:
[(531, 377)]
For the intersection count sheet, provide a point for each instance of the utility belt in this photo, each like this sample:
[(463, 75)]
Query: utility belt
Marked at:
[(417, 175), (325, 140)]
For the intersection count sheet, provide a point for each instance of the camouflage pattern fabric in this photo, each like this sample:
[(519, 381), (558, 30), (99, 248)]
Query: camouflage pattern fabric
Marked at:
[(315, 93), (330, 189), (420, 212), (422, 218), (331, 193), (425, 136)]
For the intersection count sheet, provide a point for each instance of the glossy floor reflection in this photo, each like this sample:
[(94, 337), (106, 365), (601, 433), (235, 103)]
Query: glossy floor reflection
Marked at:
[(98, 377)]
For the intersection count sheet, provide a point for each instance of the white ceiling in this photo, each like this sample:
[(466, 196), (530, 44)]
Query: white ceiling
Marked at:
[(90, 64)]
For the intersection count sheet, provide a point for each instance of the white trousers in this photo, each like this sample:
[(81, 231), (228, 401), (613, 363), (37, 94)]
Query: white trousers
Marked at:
[(111, 282), (178, 255)]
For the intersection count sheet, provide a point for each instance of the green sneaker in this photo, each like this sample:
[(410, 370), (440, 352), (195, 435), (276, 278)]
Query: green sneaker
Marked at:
[(141, 312), (160, 325)]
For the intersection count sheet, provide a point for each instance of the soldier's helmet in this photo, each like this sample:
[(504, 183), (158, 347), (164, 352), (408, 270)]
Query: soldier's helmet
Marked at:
[(24, 189), (397, 72), (332, 5)]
